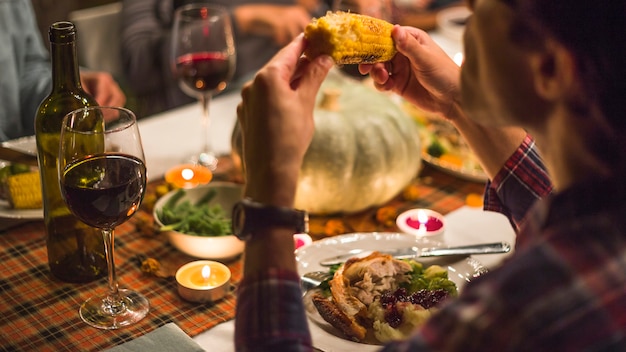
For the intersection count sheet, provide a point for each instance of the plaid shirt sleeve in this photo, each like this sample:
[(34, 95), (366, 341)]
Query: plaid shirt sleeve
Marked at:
[(270, 315), (522, 180)]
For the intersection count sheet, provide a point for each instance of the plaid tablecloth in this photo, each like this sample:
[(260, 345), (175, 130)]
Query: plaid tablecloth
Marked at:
[(40, 313)]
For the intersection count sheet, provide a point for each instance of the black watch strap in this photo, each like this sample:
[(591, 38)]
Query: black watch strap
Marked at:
[(249, 216)]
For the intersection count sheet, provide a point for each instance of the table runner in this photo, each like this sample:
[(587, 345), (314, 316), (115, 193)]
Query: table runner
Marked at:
[(41, 313)]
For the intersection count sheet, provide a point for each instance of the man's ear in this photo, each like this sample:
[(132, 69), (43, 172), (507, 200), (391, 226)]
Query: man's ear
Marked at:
[(554, 70)]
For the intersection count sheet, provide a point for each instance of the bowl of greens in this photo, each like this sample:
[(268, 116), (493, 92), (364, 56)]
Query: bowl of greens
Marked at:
[(197, 220)]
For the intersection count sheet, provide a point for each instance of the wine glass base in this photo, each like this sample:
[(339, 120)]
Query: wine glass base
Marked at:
[(99, 313)]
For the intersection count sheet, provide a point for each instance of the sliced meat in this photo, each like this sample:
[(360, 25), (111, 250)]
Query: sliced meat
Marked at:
[(337, 318)]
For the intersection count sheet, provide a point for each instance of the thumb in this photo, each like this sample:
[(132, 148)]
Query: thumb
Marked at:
[(409, 42)]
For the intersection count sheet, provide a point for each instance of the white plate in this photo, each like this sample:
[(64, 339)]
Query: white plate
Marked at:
[(24, 214), (27, 145), (451, 21), (326, 337)]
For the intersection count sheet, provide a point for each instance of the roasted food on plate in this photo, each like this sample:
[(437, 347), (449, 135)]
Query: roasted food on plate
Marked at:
[(379, 298), (350, 38)]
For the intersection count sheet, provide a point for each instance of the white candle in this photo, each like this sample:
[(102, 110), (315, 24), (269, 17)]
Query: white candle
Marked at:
[(203, 281)]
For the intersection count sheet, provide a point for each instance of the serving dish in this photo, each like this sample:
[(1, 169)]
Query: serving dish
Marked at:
[(326, 337), (205, 247), (458, 159)]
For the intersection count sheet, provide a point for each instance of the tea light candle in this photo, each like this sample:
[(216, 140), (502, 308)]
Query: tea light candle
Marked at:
[(203, 281), (421, 222), (188, 175)]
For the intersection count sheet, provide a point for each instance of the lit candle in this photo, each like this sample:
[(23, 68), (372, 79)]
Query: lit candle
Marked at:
[(301, 239), (203, 281), (188, 175), (421, 222)]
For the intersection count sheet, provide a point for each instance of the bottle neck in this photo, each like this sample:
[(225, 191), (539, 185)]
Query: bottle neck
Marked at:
[(65, 73)]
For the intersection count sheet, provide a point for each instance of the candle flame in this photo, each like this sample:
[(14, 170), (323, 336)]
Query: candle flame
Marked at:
[(187, 174), (422, 218), (206, 272)]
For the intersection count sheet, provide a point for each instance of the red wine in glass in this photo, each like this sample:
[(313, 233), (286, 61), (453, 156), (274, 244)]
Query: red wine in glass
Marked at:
[(102, 177), (104, 190), (203, 60), (203, 72)]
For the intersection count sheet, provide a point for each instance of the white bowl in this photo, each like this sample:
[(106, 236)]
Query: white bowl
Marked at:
[(206, 247)]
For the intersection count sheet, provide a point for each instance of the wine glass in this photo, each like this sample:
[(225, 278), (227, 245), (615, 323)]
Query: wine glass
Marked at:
[(203, 61), (102, 176)]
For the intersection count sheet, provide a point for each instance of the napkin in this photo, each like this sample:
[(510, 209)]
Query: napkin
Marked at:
[(220, 338), (168, 337), (468, 225)]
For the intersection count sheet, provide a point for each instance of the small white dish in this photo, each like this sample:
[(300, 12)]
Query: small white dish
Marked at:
[(206, 247)]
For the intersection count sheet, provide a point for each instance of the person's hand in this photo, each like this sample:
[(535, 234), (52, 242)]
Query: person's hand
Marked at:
[(421, 72), (281, 23), (276, 119), (103, 88)]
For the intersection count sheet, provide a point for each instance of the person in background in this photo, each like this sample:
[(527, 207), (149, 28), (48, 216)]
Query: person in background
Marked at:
[(26, 77), (261, 28), (538, 75)]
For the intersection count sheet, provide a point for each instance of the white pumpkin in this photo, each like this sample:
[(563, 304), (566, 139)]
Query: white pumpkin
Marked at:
[(365, 149)]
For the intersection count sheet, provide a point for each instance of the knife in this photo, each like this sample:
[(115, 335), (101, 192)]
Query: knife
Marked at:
[(415, 252)]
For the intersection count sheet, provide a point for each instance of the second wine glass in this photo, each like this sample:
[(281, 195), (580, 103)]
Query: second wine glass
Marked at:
[(203, 61), (102, 177)]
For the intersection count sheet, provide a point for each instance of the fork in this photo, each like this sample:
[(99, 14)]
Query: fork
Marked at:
[(313, 279)]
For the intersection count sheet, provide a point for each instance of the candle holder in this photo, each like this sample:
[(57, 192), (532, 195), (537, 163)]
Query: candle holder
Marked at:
[(203, 281), (421, 222), (188, 175), (301, 239)]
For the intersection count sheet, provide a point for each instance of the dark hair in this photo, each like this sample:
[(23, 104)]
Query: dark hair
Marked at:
[(595, 32)]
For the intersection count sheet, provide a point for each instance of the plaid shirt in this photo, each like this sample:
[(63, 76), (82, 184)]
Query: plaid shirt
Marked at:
[(564, 288)]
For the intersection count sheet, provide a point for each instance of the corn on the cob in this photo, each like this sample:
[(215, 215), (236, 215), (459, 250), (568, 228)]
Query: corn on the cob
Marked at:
[(350, 38), (24, 190)]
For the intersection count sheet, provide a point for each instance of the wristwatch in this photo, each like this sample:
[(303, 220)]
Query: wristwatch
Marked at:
[(249, 217)]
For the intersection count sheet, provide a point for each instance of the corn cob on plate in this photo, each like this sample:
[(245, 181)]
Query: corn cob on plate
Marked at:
[(20, 192), (350, 38)]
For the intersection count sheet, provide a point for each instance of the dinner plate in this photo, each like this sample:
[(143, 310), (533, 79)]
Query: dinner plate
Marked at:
[(328, 338), (25, 214), (451, 21), (466, 173), (26, 145)]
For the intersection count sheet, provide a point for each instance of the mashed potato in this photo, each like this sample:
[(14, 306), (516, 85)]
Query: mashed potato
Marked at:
[(413, 316)]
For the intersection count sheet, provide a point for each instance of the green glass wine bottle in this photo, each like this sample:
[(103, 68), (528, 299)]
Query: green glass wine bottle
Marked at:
[(75, 250)]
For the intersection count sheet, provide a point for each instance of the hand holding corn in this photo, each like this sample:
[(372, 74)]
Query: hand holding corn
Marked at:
[(350, 38)]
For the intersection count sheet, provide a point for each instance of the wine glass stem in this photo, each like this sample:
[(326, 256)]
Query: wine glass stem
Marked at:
[(115, 303), (205, 100)]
